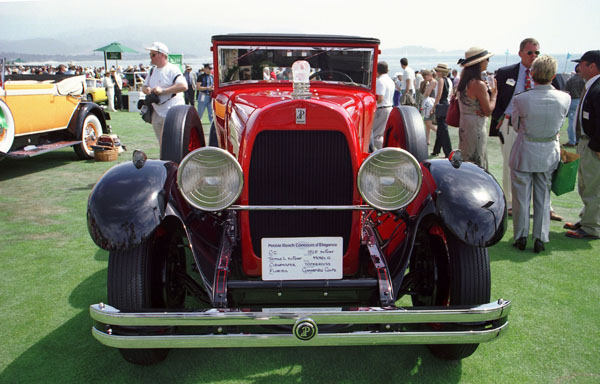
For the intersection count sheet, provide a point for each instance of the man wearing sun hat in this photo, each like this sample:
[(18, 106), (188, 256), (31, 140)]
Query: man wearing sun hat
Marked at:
[(190, 94), (165, 81), (588, 120), (511, 80)]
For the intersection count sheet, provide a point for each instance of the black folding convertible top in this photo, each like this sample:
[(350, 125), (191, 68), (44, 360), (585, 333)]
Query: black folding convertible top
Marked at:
[(293, 38)]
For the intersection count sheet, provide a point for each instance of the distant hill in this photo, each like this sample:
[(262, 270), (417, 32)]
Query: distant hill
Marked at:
[(415, 50), (81, 47)]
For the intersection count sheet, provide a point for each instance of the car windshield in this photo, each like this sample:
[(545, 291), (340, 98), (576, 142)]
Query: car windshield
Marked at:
[(239, 64)]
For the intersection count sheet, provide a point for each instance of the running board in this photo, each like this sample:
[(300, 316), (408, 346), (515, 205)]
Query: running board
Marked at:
[(38, 150)]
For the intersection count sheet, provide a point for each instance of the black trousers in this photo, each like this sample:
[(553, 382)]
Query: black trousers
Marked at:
[(118, 98), (189, 97), (442, 137)]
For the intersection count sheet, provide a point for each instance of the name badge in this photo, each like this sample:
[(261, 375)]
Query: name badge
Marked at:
[(586, 115), (510, 82)]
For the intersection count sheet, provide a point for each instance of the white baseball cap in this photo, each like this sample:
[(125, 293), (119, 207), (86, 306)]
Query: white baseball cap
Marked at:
[(159, 47)]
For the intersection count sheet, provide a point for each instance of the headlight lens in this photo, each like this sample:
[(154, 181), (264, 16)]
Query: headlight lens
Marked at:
[(210, 179), (389, 179)]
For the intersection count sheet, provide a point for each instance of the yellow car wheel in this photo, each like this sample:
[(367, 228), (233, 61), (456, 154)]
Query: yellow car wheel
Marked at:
[(7, 128), (91, 130)]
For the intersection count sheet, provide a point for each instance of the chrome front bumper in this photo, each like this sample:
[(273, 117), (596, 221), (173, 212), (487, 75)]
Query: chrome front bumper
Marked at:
[(477, 324)]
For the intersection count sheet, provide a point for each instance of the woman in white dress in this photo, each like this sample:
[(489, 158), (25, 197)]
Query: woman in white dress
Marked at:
[(429, 86)]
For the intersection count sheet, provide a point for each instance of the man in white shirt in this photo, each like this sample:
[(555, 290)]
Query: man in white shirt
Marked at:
[(408, 96), (166, 81), (384, 92)]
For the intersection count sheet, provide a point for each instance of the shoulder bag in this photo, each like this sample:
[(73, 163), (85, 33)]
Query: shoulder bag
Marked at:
[(453, 115)]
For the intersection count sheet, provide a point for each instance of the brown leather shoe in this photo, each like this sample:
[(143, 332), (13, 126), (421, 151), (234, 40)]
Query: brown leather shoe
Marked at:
[(555, 217), (580, 234), (572, 226)]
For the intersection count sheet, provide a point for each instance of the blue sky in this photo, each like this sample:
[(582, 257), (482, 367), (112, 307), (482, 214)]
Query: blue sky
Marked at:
[(560, 26)]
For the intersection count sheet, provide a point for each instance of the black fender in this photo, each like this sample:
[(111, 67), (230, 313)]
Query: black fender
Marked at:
[(127, 204), (83, 109), (469, 201)]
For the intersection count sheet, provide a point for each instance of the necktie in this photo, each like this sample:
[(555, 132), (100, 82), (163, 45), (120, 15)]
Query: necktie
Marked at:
[(578, 123), (527, 79)]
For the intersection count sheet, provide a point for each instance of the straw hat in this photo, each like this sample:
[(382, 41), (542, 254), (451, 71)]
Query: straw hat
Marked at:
[(442, 67), (474, 55)]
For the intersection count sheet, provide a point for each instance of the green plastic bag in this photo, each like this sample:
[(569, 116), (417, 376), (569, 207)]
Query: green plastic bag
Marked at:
[(563, 179)]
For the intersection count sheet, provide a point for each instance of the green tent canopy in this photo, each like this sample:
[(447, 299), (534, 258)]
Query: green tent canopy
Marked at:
[(113, 51)]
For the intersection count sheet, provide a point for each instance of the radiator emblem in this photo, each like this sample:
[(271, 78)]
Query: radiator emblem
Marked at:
[(300, 115)]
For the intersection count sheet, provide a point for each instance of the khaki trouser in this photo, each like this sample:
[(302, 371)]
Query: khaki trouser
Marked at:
[(589, 187), (524, 185), (510, 135), (157, 123)]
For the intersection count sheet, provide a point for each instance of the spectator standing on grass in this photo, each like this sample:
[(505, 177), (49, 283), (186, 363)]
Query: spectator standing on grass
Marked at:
[(574, 87), (511, 80), (190, 78), (384, 93), (418, 93), (442, 98), (118, 86), (109, 87), (429, 87), (408, 78), (397, 89), (588, 120), (165, 81), (538, 115), (205, 86), (455, 79), (476, 101)]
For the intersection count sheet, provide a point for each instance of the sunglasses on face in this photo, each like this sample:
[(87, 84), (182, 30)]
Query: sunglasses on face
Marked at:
[(152, 54), (537, 53)]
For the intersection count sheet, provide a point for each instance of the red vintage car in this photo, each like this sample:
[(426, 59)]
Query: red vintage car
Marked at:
[(291, 232)]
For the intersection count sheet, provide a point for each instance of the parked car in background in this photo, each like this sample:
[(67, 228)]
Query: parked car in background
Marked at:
[(95, 91), (290, 232), (41, 113)]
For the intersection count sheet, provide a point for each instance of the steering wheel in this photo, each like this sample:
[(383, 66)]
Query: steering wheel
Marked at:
[(333, 76)]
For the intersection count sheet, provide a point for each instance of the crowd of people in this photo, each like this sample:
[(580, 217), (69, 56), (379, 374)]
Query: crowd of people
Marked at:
[(72, 69), (526, 107), (523, 102)]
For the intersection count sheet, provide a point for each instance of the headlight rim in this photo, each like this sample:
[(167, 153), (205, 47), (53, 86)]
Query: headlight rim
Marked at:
[(369, 159), (229, 157)]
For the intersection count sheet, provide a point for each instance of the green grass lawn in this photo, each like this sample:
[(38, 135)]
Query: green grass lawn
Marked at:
[(51, 271)]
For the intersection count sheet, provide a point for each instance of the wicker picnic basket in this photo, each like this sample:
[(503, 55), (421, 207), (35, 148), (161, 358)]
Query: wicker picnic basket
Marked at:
[(106, 150)]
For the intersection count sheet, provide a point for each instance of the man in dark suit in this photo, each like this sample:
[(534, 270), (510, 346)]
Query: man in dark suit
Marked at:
[(588, 118), (511, 80)]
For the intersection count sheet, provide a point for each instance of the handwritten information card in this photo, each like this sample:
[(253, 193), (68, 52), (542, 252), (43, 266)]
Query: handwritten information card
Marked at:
[(302, 258)]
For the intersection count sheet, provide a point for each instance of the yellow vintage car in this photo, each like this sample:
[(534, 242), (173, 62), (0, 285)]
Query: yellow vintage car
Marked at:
[(95, 91), (41, 113)]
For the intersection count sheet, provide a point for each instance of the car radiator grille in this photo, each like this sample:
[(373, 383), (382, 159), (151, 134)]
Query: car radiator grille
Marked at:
[(300, 168)]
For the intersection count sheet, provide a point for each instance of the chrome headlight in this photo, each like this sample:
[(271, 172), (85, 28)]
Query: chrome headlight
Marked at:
[(389, 179), (210, 179)]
